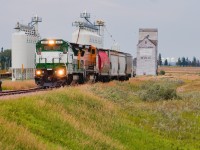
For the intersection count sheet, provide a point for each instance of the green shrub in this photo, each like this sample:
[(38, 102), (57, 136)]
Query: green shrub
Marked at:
[(162, 72), (154, 91)]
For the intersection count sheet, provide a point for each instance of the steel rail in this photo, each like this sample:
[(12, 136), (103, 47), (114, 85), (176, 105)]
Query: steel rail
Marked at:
[(15, 92)]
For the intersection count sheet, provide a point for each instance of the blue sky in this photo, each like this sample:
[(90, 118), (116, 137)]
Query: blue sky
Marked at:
[(178, 21)]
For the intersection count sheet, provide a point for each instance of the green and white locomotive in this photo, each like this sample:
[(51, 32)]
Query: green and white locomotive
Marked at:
[(50, 61)]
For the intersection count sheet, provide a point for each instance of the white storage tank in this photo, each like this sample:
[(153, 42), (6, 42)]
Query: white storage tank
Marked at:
[(23, 49)]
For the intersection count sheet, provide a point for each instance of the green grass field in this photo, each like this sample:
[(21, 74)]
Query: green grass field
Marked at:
[(102, 116)]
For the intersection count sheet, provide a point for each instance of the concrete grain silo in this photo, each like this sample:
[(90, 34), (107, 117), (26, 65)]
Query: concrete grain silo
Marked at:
[(147, 52), (23, 49)]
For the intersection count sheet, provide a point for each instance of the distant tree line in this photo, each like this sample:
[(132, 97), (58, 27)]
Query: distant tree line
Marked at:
[(186, 62), (5, 59)]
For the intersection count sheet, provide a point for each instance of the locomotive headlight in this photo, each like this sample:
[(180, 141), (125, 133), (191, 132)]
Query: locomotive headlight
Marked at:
[(60, 72), (51, 42), (38, 72)]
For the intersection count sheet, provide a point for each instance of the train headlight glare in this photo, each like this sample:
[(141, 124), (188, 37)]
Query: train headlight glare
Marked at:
[(38, 72), (61, 72), (51, 42)]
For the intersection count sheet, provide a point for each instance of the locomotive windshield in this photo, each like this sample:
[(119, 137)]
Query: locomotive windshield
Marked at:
[(51, 45)]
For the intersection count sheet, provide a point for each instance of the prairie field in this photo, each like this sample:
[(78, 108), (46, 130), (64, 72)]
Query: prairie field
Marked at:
[(146, 113), (174, 70)]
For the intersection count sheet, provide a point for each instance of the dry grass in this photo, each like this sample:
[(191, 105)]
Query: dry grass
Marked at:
[(186, 73), (190, 87), (190, 75), (183, 70), (16, 85)]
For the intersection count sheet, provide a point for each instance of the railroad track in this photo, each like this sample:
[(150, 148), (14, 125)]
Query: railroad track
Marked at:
[(31, 90), (14, 92)]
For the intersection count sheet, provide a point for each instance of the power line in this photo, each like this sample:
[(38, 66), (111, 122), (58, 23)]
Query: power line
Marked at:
[(110, 35)]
